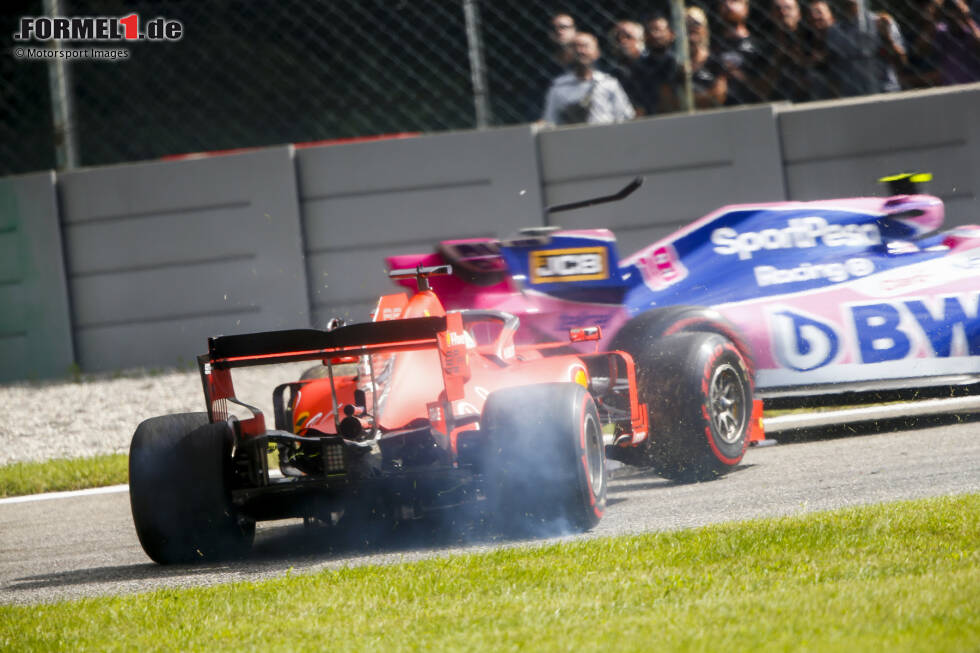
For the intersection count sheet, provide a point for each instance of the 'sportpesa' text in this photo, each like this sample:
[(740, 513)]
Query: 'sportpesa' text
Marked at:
[(799, 233)]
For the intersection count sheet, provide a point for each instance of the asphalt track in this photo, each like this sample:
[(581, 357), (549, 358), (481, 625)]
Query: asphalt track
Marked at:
[(69, 548)]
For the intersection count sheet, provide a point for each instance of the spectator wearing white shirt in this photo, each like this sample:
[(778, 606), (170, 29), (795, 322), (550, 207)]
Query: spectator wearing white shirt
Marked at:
[(586, 94)]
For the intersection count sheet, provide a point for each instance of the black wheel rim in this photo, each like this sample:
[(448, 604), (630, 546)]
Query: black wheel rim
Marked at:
[(727, 402), (593, 454)]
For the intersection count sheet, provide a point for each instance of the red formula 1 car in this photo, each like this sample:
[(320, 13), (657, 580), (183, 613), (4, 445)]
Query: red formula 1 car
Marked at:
[(420, 410)]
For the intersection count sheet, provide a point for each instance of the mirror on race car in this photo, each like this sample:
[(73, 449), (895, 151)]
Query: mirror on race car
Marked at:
[(421, 274), (585, 334)]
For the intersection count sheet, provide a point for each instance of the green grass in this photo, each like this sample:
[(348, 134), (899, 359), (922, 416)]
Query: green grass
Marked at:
[(898, 577), (71, 474), (63, 474)]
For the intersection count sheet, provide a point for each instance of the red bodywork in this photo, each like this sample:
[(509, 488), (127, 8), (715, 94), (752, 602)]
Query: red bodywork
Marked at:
[(441, 381)]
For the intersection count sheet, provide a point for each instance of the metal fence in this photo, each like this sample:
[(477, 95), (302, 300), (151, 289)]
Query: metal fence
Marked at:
[(249, 73)]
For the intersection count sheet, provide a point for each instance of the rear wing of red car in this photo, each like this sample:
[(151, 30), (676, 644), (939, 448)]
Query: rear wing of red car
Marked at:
[(310, 344), (444, 333)]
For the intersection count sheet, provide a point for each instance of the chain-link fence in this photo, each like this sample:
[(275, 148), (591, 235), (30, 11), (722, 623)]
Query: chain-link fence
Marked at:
[(259, 72)]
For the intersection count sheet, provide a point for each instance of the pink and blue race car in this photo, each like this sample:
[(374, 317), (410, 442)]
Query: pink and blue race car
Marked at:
[(832, 296)]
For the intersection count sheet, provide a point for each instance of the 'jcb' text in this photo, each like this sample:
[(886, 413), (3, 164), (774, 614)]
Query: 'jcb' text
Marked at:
[(583, 264)]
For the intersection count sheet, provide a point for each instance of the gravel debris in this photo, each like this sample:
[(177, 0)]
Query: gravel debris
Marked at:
[(97, 414)]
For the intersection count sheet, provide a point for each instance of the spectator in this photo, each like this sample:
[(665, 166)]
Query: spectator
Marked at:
[(658, 66), (950, 39), (709, 84), (586, 94), (819, 76), (865, 62), (529, 77), (526, 79), (922, 70), (739, 54), (628, 50), (786, 76), (561, 33)]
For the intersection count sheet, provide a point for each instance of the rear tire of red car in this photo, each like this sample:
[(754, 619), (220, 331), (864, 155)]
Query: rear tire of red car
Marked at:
[(180, 468), (545, 461), (698, 391)]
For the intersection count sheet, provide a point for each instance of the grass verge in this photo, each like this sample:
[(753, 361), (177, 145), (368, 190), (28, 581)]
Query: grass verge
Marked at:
[(63, 474), (897, 577)]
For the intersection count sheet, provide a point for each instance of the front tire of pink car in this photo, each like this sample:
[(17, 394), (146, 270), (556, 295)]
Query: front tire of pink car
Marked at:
[(698, 390)]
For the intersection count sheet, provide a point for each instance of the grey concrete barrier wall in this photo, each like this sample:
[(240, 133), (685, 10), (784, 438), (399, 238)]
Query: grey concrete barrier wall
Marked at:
[(35, 328), (364, 201), (836, 149), (158, 256), (691, 165), (162, 255)]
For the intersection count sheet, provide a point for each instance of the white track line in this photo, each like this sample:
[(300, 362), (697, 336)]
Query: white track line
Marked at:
[(65, 495), (111, 489), (968, 404)]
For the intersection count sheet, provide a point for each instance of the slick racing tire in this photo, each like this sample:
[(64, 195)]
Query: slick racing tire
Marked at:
[(698, 392), (545, 463), (646, 328), (180, 469)]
